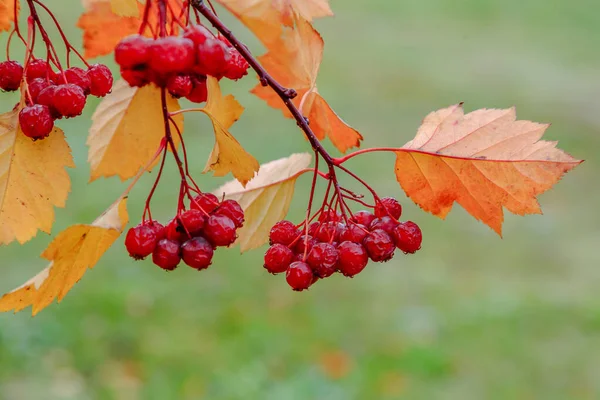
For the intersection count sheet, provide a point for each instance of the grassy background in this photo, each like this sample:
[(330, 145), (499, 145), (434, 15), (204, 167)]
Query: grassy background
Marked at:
[(471, 316)]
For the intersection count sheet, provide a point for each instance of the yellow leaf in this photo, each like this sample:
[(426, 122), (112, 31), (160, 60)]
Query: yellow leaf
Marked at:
[(227, 155), (484, 161), (127, 128), (294, 60), (7, 13), (33, 180), (266, 199), (71, 253), (125, 8)]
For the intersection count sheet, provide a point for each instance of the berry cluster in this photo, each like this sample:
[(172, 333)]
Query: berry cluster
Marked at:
[(51, 95), (179, 64), (337, 244), (191, 236)]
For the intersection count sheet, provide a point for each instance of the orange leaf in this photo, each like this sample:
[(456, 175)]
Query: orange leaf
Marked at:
[(294, 61), (266, 17), (103, 29), (71, 253), (127, 128), (228, 155), (7, 13), (33, 180), (125, 8), (484, 161)]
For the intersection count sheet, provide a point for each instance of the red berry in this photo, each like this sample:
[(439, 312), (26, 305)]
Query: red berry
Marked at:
[(354, 233), (329, 231), (284, 232), (220, 230), (213, 58), (174, 231), (206, 202), (101, 80), (132, 52), (180, 85), (363, 217), (379, 245), (46, 98), (36, 121), (79, 77), (278, 258), (172, 55), (386, 223), (323, 259), (199, 93), (388, 207), (231, 209), (135, 77), (38, 69), (167, 254), (408, 237), (313, 228), (329, 215), (237, 67), (192, 222), (68, 100), (158, 228), (304, 244), (353, 258), (299, 276), (141, 241), (197, 34), (197, 253), (11, 74), (36, 86)]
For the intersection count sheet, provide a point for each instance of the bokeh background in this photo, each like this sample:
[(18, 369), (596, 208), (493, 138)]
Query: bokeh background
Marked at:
[(471, 316)]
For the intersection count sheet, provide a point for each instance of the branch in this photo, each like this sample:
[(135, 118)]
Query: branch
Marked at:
[(266, 79)]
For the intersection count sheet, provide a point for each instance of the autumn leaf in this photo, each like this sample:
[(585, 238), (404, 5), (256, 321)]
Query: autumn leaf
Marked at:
[(127, 128), (266, 17), (125, 8), (7, 13), (484, 160), (103, 28), (294, 61), (266, 199), (71, 253), (227, 155), (33, 180)]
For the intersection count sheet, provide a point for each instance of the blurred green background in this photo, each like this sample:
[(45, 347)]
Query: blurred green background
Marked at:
[(471, 316)]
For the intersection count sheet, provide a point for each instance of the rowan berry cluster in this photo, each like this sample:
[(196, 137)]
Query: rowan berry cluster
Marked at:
[(192, 236), (52, 95), (338, 244), (180, 64)]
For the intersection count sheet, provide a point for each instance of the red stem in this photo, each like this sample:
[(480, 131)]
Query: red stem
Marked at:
[(341, 160)]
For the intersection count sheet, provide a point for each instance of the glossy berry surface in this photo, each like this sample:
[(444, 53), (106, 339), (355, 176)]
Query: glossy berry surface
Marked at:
[(237, 67), (231, 209), (135, 77), (385, 223), (329, 232), (167, 254), (46, 98), (388, 206), (304, 244), (408, 237), (192, 222), (180, 85), (36, 86), (353, 233), (353, 258), (132, 52), (278, 258), (199, 93), (197, 253), (68, 100), (220, 230), (101, 80), (329, 215), (141, 241), (11, 74), (299, 276), (213, 58), (379, 245), (323, 259), (363, 217), (79, 77), (36, 121), (171, 55), (174, 231), (283, 232), (206, 202), (38, 69), (197, 34)]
